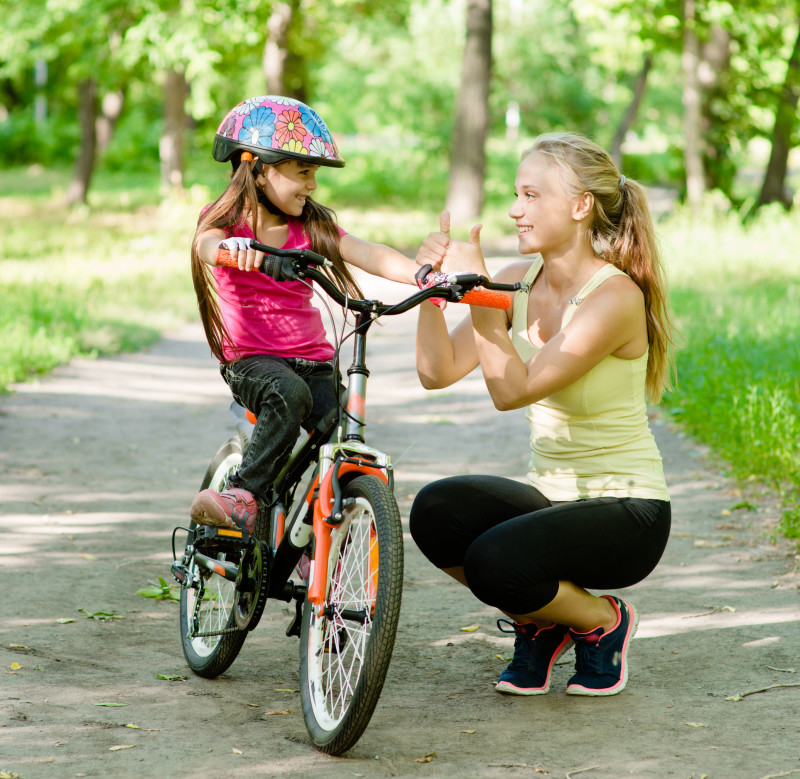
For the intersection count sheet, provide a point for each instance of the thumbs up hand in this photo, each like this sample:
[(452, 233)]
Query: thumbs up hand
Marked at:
[(434, 247), (467, 255)]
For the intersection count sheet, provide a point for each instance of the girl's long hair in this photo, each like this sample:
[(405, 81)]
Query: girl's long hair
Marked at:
[(238, 201), (622, 233)]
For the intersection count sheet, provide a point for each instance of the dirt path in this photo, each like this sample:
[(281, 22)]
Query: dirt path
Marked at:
[(100, 461)]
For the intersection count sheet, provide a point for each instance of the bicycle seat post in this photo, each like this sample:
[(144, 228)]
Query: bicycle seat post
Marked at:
[(357, 373)]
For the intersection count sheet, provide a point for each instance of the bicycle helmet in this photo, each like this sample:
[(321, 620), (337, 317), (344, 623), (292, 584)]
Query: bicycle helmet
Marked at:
[(274, 129)]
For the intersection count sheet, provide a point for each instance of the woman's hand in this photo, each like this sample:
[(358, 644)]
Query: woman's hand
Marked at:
[(433, 249), (466, 256)]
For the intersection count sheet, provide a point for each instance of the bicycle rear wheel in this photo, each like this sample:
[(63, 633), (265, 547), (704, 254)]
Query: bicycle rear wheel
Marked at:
[(345, 650), (208, 607)]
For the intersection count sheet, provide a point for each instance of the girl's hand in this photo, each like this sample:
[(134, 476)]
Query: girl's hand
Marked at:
[(247, 258), (466, 256), (434, 247)]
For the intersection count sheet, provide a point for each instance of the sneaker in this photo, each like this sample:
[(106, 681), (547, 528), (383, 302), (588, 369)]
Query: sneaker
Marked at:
[(304, 566), (535, 653), (601, 658), (230, 508)]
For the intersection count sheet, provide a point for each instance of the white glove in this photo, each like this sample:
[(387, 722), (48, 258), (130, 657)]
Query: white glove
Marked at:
[(234, 244)]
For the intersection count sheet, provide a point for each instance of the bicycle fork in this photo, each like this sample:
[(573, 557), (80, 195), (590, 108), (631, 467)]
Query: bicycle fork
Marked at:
[(344, 462), (320, 516)]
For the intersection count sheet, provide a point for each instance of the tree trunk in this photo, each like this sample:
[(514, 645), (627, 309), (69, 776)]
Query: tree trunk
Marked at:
[(773, 188), (110, 111), (633, 110), (693, 152), (87, 114), (713, 75), (468, 156), (176, 90), (284, 69), (276, 47)]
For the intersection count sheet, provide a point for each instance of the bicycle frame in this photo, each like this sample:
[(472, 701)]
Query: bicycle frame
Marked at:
[(349, 456)]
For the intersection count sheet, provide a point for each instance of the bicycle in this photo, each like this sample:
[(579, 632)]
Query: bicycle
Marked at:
[(340, 536)]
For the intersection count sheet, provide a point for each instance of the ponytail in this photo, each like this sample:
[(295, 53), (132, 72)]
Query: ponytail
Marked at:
[(634, 249)]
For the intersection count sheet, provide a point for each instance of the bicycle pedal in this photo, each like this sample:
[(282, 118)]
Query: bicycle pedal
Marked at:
[(216, 536), (179, 571)]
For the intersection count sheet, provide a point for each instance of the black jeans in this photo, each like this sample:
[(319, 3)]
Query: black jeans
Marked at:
[(515, 545), (285, 394)]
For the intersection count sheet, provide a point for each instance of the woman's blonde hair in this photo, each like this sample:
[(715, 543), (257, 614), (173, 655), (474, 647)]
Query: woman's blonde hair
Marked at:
[(238, 201), (622, 232)]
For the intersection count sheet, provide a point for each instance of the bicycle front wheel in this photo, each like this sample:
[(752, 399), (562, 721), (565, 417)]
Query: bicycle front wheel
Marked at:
[(209, 636), (346, 649)]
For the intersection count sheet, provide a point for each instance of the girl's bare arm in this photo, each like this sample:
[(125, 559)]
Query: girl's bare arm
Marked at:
[(378, 259)]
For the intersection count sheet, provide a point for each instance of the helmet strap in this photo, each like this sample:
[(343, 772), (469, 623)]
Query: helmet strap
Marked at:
[(268, 204)]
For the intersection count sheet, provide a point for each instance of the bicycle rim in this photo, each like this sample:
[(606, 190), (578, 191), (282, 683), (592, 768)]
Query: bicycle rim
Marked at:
[(207, 608), (345, 651)]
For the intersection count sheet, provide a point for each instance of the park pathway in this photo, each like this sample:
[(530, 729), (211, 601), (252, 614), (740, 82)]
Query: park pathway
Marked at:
[(100, 460)]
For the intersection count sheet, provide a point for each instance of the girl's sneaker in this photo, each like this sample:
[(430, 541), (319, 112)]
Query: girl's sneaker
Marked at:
[(535, 653), (601, 658), (233, 507)]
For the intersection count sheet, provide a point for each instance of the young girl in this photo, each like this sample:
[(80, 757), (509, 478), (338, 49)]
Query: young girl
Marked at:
[(585, 341), (268, 337)]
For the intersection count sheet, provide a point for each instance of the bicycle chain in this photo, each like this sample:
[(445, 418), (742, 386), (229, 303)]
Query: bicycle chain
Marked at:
[(198, 602), (222, 632)]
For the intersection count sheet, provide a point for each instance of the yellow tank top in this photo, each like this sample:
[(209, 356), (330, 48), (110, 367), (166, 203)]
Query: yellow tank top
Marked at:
[(592, 438)]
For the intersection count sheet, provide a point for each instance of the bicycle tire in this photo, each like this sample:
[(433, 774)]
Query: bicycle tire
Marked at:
[(343, 664), (212, 655)]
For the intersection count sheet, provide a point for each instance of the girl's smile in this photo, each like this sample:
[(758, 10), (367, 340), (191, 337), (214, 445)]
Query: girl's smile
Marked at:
[(289, 184)]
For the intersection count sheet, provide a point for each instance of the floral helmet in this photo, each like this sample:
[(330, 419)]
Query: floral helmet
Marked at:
[(276, 128)]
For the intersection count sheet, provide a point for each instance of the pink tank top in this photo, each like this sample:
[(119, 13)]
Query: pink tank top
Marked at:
[(264, 316)]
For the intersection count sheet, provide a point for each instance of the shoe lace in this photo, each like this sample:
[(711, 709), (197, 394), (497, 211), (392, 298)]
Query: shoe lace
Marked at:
[(523, 643), (234, 499), (587, 658)]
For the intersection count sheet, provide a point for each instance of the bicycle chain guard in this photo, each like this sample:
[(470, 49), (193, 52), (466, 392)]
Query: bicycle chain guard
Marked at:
[(252, 585)]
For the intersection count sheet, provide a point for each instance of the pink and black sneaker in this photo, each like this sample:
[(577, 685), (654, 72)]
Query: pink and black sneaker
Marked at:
[(535, 653), (601, 666), (233, 507)]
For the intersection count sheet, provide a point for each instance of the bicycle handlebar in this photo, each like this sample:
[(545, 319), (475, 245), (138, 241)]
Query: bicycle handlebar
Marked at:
[(296, 264)]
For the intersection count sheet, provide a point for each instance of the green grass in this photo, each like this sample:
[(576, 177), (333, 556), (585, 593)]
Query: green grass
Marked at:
[(114, 275), (736, 297), (87, 281)]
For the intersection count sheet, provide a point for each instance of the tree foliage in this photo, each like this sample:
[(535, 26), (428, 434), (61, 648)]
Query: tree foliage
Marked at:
[(385, 75)]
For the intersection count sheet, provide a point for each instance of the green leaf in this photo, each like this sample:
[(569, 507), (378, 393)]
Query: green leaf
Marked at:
[(160, 591), (101, 616)]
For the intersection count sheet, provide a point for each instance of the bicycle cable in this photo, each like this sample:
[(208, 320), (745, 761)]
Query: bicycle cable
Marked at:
[(337, 340)]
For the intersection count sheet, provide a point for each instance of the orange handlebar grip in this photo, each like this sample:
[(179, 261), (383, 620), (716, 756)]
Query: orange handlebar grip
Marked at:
[(486, 297), (224, 258)]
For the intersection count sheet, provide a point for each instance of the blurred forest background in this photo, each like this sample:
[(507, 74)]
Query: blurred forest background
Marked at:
[(694, 95), (108, 112)]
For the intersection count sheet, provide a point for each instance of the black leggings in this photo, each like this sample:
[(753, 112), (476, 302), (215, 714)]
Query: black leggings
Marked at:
[(515, 545)]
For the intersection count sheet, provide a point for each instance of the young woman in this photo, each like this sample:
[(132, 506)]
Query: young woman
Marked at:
[(269, 339), (584, 344)]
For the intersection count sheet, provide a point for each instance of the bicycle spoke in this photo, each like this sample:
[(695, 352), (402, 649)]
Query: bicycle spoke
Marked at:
[(345, 640)]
